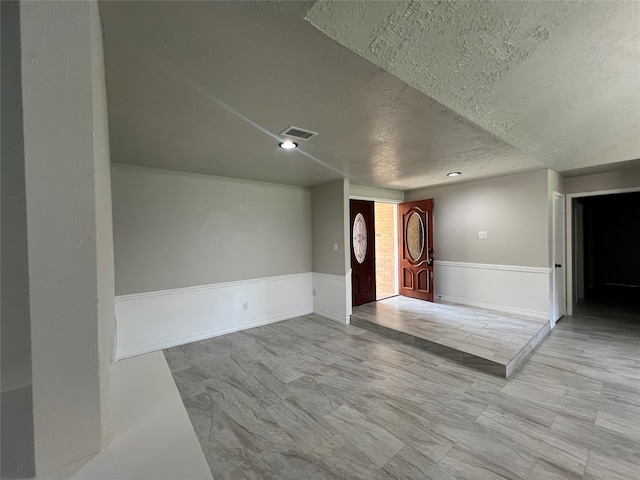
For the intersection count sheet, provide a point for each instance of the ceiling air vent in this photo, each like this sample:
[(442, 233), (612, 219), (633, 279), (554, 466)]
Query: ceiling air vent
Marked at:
[(299, 133)]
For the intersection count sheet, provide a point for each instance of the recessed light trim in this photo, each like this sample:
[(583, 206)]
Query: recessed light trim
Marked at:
[(454, 174), (288, 145)]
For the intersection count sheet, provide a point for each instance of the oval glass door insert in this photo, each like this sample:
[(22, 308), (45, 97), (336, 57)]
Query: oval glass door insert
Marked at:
[(415, 236), (359, 238)]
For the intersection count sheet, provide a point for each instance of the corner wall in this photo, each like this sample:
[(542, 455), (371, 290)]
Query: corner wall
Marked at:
[(509, 270), (65, 152), (104, 218), (330, 233)]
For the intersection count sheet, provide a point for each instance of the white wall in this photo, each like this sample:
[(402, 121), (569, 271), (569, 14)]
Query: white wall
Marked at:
[(152, 321), (176, 230), (64, 147), (198, 256), (509, 270), (511, 289)]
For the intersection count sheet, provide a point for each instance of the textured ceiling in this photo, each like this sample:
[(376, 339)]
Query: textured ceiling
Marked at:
[(205, 87), (558, 80)]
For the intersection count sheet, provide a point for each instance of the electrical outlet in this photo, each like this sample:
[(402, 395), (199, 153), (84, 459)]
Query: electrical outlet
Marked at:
[(335, 247), (245, 305), (482, 235)]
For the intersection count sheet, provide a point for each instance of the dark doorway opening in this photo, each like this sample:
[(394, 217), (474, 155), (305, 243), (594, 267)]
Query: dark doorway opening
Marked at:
[(609, 257)]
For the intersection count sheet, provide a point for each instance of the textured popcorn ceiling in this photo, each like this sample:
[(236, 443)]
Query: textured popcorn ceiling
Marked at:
[(558, 80), (407, 93)]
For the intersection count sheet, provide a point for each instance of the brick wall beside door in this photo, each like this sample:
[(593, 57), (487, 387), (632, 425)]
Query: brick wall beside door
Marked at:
[(385, 251)]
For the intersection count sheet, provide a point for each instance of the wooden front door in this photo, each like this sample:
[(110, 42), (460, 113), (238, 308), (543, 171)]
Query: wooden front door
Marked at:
[(416, 249), (363, 262)]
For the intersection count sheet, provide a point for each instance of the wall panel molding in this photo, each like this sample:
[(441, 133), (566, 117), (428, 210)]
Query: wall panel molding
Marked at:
[(332, 298), (512, 289), (155, 320)]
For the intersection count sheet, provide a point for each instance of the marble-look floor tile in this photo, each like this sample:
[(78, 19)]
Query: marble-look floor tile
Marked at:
[(410, 464), (371, 439), (543, 470), (534, 438), (340, 457), (480, 339), (412, 429), (463, 464), (475, 443), (311, 398), (607, 467), (300, 425)]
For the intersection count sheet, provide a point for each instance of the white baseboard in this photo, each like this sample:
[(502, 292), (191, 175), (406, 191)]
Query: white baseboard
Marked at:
[(512, 289), (156, 320), (332, 299), (494, 307), (331, 315)]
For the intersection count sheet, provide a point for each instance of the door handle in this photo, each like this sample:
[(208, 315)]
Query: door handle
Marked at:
[(558, 265), (429, 261)]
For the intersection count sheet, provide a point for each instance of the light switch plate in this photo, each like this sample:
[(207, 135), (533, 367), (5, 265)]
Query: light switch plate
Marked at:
[(482, 234)]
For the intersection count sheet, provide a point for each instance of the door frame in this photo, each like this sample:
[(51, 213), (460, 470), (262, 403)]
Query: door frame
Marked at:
[(555, 258), (395, 237), (363, 273), (569, 214)]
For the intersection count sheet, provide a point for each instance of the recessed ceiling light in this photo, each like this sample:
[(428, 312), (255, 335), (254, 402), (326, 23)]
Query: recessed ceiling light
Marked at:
[(288, 145), (453, 174)]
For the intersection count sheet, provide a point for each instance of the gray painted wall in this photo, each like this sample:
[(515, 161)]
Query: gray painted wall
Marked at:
[(329, 203), (16, 340), (16, 423), (174, 230), (65, 157), (622, 178), (513, 210), (376, 193)]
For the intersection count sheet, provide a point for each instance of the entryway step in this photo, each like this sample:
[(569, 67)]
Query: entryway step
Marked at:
[(480, 339)]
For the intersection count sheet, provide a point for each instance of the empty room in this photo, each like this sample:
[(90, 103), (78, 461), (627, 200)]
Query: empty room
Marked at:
[(320, 240)]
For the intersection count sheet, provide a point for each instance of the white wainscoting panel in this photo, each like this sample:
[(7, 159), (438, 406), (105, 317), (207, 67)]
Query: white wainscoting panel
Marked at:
[(505, 288), (155, 320), (332, 299)]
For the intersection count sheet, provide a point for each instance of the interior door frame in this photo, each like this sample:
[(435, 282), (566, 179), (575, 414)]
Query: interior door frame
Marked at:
[(395, 236), (558, 257), (569, 213)]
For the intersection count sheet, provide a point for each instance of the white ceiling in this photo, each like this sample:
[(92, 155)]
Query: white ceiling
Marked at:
[(406, 92)]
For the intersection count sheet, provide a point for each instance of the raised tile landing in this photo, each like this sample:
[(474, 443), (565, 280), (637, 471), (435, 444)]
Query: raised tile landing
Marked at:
[(482, 339)]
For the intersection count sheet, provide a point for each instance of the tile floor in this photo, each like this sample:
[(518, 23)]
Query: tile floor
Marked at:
[(486, 340), (308, 398)]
